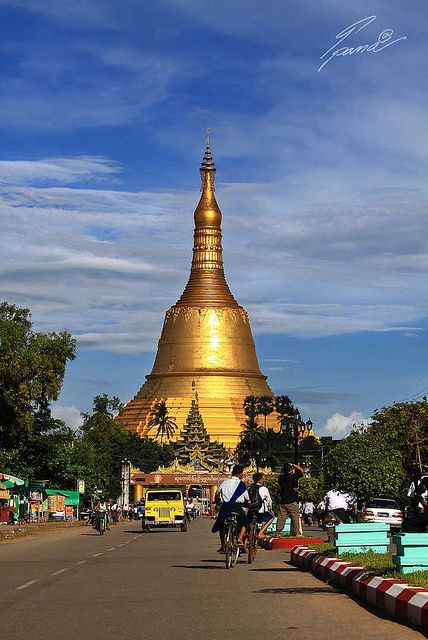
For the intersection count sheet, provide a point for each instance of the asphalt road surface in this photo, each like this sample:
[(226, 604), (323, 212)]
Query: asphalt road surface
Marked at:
[(168, 585)]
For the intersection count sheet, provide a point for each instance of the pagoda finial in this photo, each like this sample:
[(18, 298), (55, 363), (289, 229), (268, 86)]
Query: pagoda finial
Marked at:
[(207, 167)]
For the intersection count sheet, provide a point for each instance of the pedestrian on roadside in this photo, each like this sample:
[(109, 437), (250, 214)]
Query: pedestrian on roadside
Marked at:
[(288, 485), (419, 520)]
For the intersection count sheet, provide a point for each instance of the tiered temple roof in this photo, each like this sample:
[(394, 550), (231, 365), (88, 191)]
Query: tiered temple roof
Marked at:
[(194, 443)]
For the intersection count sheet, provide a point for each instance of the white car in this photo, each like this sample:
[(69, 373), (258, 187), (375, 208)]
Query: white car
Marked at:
[(383, 510)]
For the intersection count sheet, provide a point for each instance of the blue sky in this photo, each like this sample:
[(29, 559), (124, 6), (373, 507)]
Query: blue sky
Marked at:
[(322, 180)]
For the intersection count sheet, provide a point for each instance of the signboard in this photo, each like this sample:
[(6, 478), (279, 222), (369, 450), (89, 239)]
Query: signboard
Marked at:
[(68, 511), (81, 486), (204, 479)]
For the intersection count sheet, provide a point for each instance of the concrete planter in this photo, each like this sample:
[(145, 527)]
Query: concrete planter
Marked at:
[(360, 537), (412, 552), (286, 528)]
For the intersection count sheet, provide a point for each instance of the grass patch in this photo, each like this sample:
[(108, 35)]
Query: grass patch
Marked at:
[(416, 578), (379, 562), (324, 547)]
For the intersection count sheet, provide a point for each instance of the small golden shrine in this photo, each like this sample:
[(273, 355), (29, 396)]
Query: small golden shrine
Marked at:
[(194, 443)]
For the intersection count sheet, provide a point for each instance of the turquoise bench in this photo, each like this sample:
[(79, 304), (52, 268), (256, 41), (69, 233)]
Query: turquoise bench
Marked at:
[(360, 537), (412, 552), (286, 528)]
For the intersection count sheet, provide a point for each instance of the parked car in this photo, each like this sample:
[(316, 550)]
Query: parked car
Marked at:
[(383, 510)]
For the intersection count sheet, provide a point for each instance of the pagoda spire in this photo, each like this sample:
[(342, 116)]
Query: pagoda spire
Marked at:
[(207, 284)]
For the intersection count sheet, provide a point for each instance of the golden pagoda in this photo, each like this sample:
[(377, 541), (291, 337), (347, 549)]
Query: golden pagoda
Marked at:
[(206, 340)]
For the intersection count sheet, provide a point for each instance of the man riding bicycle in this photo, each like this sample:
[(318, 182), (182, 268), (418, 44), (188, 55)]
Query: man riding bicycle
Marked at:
[(233, 496), (261, 498)]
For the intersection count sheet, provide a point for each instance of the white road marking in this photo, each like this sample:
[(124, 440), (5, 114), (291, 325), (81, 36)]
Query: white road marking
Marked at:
[(97, 554), (82, 562), (111, 549), (27, 584), (121, 545), (55, 573)]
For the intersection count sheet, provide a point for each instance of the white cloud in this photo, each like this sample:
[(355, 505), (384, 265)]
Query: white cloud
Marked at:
[(107, 263), (69, 414), (340, 426), (56, 170)]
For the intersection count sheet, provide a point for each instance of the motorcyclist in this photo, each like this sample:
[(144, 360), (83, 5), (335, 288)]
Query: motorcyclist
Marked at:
[(102, 508)]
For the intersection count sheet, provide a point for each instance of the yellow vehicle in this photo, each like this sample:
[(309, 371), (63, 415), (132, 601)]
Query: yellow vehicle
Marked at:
[(164, 508)]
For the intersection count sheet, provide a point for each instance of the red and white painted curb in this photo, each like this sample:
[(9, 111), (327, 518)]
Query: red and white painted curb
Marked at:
[(286, 543), (396, 599)]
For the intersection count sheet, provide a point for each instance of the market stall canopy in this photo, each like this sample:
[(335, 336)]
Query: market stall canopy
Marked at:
[(11, 481), (71, 497)]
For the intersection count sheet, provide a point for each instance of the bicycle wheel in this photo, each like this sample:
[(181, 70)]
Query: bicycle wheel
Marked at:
[(228, 544), (235, 547), (252, 542)]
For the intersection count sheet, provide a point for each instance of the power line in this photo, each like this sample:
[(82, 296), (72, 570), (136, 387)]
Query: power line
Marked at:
[(414, 395)]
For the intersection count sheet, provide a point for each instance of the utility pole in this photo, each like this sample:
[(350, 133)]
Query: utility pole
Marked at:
[(125, 479)]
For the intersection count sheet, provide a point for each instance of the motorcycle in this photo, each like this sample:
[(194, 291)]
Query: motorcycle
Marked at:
[(330, 522)]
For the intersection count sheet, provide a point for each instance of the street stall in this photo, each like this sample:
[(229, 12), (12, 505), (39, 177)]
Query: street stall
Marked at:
[(4, 504), (9, 497), (63, 504)]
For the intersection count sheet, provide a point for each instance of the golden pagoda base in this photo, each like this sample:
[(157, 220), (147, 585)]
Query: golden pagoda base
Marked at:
[(220, 401)]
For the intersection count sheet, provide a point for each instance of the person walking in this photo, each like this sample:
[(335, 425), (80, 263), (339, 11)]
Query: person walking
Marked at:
[(289, 507)]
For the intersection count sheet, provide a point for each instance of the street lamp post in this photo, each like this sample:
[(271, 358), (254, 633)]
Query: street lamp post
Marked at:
[(297, 428)]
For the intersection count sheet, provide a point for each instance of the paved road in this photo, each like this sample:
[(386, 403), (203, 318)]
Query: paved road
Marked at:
[(167, 586)]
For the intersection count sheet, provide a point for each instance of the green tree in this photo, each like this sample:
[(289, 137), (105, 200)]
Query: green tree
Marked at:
[(32, 368), (405, 425), (285, 409), (311, 489), (250, 436), (365, 464), (271, 482), (104, 443), (159, 417), (250, 406), (264, 407)]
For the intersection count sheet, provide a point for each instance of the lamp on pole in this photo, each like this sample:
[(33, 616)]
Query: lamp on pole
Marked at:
[(297, 428)]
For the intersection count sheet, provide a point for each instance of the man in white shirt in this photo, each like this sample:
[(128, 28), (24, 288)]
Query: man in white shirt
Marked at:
[(265, 513), (232, 494), (336, 502)]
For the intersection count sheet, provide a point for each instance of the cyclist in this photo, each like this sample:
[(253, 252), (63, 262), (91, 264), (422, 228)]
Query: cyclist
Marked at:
[(261, 498), (233, 496), (102, 507)]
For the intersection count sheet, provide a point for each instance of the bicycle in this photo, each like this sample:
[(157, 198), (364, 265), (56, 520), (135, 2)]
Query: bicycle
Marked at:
[(231, 547), (252, 539), (100, 522)]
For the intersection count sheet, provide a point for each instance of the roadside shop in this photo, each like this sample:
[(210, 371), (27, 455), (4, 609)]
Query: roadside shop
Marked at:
[(11, 493), (62, 504)]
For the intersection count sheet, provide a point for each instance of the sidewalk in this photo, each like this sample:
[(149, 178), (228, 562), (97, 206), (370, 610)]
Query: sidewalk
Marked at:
[(18, 531)]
